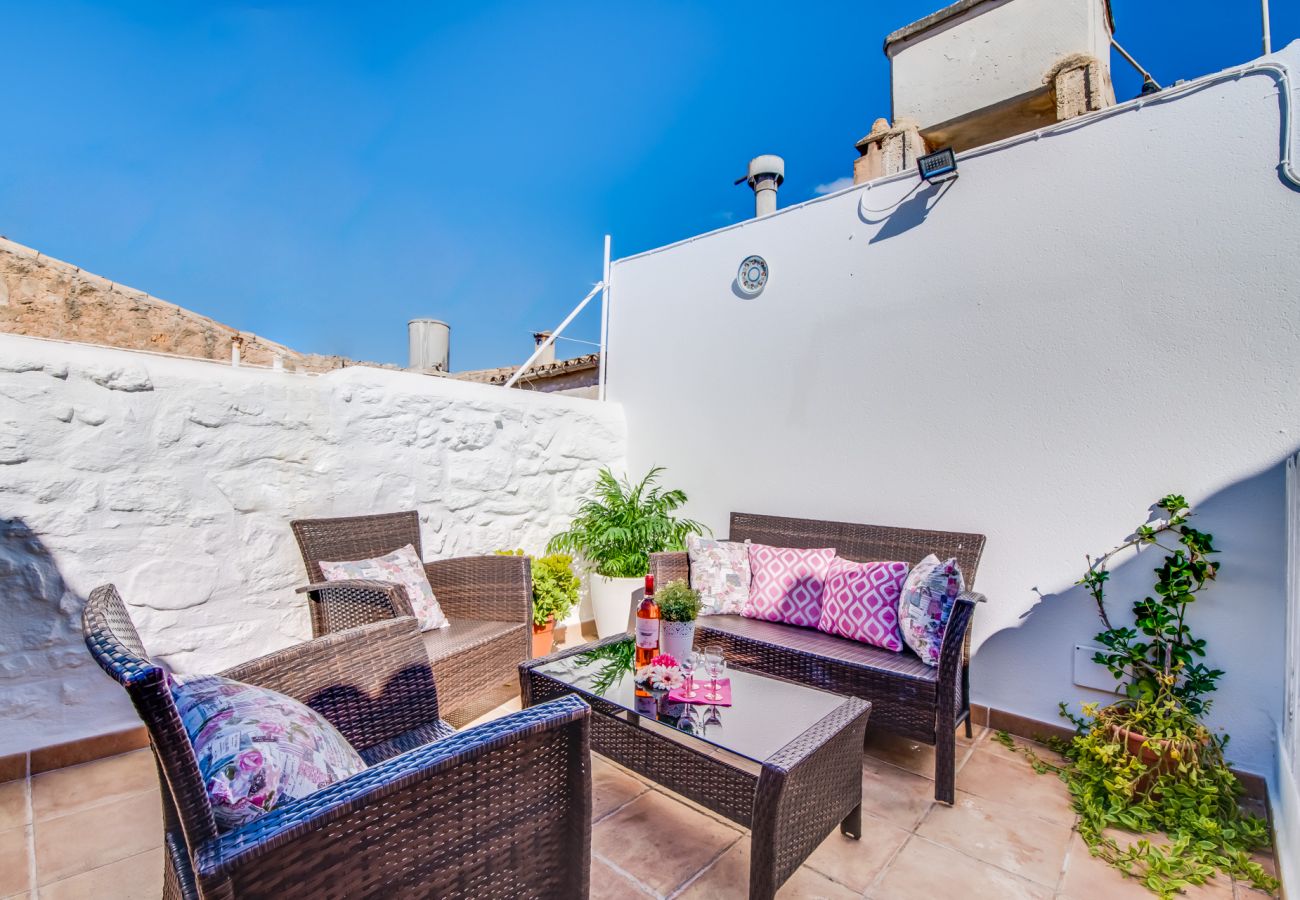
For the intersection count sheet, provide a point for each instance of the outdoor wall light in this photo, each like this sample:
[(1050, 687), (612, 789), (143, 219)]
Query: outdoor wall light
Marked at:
[(939, 166)]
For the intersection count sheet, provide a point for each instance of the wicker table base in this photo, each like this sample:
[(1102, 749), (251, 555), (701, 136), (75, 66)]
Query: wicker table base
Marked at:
[(791, 799)]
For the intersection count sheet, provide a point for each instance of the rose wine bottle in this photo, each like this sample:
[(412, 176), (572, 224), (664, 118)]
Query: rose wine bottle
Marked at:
[(647, 625)]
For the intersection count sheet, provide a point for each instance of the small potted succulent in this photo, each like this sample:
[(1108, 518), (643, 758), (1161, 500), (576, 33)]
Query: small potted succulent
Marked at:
[(678, 608), (555, 592), (615, 531)]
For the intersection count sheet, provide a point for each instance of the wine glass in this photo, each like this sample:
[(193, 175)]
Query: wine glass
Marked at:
[(716, 664), (712, 719), (689, 664)]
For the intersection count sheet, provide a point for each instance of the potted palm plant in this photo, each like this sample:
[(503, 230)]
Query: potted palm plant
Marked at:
[(555, 592), (615, 531), (678, 608)]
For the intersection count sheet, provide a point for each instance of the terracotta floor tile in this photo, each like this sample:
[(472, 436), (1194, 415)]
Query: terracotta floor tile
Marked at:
[(660, 842), (14, 810), (1001, 834), (856, 864), (611, 787), (15, 861), (1014, 781), (1246, 892), (608, 884), (893, 794), (926, 871), (94, 837), (911, 755), (728, 879), (90, 784), (990, 744), (1087, 877), (138, 877)]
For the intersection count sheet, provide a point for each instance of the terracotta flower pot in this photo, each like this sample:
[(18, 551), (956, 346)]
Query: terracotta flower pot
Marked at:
[(543, 637), (1155, 753)]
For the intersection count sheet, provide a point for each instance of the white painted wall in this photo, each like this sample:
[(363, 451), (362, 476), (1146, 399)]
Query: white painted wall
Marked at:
[(994, 52), (1077, 326), (177, 479)]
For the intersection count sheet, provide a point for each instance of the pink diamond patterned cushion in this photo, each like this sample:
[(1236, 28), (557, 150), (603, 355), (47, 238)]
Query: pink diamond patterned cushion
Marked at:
[(923, 608), (861, 602), (787, 584), (403, 567), (257, 749)]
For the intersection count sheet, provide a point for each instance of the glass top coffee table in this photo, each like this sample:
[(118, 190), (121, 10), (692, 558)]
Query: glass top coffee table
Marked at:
[(784, 760)]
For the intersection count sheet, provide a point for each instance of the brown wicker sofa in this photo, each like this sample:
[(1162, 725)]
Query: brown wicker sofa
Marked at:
[(487, 599), (502, 809), (908, 697)]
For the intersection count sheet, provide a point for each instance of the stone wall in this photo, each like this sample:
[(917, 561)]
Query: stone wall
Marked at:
[(45, 297), (176, 480)]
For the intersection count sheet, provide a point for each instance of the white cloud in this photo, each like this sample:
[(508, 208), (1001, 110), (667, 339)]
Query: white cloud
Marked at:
[(838, 184)]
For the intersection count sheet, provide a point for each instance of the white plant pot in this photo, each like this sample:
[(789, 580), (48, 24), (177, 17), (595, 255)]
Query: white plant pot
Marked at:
[(676, 639), (611, 603)]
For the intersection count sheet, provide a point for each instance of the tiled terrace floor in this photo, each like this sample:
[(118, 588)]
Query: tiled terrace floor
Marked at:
[(94, 831)]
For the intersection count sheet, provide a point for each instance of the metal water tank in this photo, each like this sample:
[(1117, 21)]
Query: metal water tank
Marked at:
[(430, 345)]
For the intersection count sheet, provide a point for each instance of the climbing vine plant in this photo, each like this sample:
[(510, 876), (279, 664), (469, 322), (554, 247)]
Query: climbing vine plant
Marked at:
[(1147, 764)]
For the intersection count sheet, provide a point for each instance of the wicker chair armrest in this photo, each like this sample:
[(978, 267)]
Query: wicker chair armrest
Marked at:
[(954, 652), (338, 605), (459, 805), (371, 682), (671, 566), (496, 588)]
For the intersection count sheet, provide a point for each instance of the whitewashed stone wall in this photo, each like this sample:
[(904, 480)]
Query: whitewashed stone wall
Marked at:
[(176, 480)]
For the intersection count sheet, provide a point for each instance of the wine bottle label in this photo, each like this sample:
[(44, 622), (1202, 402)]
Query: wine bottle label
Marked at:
[(647, 634)]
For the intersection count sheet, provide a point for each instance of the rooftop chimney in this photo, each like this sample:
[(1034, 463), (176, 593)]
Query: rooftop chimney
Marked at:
[(978, 71), (430, 345), (765, 175), (548, 355)]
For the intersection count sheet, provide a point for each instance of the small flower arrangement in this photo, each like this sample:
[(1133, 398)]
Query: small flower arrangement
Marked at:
[(662, 673)]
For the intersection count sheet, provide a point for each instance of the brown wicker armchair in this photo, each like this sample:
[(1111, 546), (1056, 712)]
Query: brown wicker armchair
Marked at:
[(908, 697), (499, 810), (487, 599)]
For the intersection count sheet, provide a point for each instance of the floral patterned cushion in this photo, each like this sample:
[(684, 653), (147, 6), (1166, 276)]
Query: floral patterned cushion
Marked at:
[(788, 584), (257, 749), (403, 567), (927, 599), (861, 602), (720, 572)]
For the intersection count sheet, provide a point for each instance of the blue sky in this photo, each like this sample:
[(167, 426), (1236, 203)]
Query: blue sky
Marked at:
[(319, 173)]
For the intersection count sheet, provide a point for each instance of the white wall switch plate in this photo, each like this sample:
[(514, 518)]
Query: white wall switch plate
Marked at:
[(1093, 675)]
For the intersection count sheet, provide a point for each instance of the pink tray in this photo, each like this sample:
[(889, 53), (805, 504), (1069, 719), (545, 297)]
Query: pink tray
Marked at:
[(702, 686)]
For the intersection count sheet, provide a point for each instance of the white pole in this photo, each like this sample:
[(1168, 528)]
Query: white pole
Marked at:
[(1268, 38), (604, 322), (554, 334)]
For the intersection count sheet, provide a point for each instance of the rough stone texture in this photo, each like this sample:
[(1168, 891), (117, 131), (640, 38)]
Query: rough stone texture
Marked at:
[(887, 150), (44, 297), (176, 480), (1080, 84)]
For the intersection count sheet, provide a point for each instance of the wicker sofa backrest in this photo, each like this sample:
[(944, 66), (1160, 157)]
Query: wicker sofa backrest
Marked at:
[(354, 537), (861, 543), (113, 641)]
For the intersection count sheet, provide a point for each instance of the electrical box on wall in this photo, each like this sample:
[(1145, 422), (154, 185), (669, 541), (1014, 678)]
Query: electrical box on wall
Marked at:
[(1093, 675)]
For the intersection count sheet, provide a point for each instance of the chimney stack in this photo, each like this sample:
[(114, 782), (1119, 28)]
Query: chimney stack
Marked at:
[(548, 356), (430, 345), (765, 175)]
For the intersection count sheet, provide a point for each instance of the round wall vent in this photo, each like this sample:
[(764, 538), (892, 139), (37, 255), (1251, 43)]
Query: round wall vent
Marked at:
[(752, 275)]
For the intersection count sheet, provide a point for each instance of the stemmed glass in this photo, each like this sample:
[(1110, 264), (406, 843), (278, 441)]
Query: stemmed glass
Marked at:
[(689, 664), (716, 664)]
